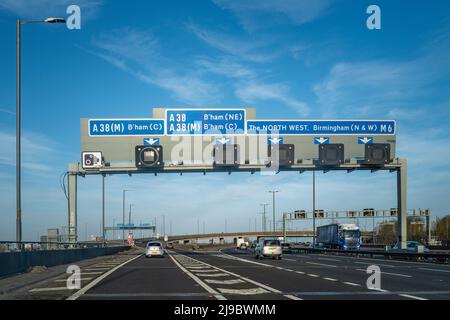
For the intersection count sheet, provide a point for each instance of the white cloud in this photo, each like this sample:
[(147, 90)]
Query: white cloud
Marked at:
[(246, 48), (41, 9), (37, 150), (225, 66), (7, 111), (138, 53), (252, 92), (254, 14), (373, 88)]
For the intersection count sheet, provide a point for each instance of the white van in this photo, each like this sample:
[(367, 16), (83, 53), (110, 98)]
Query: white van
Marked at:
[(268, 248)]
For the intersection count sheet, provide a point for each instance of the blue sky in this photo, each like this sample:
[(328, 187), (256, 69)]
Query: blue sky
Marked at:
[(287, 58)]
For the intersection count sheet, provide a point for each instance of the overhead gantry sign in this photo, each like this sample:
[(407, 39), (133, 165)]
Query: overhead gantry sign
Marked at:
[(234, 140)]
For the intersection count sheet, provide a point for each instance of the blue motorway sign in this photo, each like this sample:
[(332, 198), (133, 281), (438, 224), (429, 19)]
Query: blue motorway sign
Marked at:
[(321, 127), (205, 121), (125, 127)]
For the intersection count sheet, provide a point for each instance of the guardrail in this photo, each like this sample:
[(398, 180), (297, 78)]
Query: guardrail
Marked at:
[(390, 254), (13, 246)]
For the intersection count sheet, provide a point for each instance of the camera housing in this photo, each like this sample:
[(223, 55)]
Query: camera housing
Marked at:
[(281, 154), (149, 156), (91, 160), (226, 155)]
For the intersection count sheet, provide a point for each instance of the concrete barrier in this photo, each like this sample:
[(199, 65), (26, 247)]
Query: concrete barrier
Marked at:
[(16, 262)]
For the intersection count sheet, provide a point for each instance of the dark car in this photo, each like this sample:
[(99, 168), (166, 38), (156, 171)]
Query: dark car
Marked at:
[(169, 245), (286, 247)]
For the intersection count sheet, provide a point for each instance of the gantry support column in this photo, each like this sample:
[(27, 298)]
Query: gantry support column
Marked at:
[(72, 202), (401, 205)]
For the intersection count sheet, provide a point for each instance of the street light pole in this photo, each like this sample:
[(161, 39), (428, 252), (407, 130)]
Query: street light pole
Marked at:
[(273, 208), (314, 208), (264, 216), (18, 123), (123, 214), (18, 179)]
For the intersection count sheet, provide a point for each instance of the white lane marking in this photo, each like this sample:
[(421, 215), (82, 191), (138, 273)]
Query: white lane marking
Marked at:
[(378, 264), (197, 279), (213, 275), (430, 269), (204, 270), (322, 264), (289, 270), (312, 275), (292, 297), (90, 273), (289, 259), (329, 259), (249, 280), (300, 272), (352, 284), (330, 279), (49, 289), (232, 281), (251, 291), (90, 285), (390, 273), (280, 268), (227, 256), (412, 297), (81, 279)]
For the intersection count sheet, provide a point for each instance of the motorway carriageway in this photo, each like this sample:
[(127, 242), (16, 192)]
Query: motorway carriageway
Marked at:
[(235, 275)]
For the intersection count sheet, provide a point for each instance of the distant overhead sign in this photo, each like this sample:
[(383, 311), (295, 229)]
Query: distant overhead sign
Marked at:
[(321, 127), (125, 127), (205, 121)]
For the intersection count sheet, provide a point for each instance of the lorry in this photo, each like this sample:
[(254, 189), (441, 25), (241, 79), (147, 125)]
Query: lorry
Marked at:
[(344, 236), (241, 243)]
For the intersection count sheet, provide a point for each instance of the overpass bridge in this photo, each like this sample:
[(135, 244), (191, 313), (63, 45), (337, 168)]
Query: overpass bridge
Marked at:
[(186, 238)]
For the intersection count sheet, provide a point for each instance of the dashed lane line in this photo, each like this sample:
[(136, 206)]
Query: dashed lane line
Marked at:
[(352, 284), (321, 264), (329, 279), (378, 264), (90, 285), (390, 273), (312, 275), (430, 269)]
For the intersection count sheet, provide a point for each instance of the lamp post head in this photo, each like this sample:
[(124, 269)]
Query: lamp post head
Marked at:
[(55, 20)]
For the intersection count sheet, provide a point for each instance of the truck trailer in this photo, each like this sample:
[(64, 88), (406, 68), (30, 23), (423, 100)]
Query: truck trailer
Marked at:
[(345, 236)]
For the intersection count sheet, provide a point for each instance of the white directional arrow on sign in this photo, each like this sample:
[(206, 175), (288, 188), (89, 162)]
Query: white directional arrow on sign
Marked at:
[(322, 140), (275, 140), (223, 140), (150, 141), (365, 140)]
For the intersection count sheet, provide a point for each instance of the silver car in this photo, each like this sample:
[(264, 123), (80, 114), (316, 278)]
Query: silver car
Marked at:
[(154, 249), (268, 248)]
